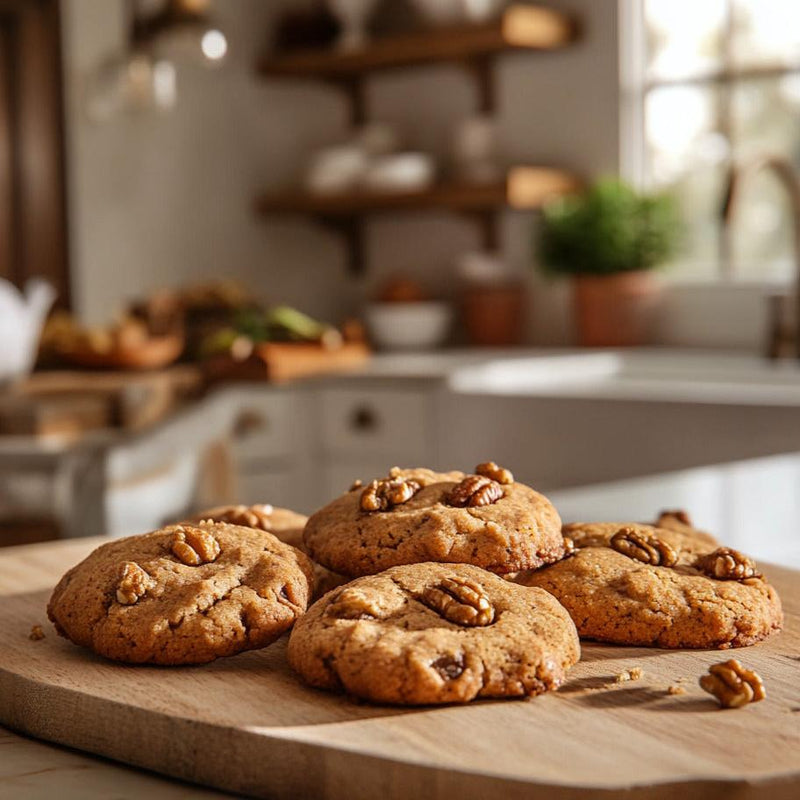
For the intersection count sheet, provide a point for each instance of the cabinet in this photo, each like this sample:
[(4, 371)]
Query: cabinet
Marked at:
[(366, 431)]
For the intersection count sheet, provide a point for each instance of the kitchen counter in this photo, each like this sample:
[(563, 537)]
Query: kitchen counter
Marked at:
[(554, 416)]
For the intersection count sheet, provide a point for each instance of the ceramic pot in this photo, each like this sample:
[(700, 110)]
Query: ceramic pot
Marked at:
[(21, 319), (616, 310), (494, 314)]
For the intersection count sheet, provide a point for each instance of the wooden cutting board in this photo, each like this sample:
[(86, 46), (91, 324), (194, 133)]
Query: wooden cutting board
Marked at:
[(281, 362), (71, 402), (246, 724)]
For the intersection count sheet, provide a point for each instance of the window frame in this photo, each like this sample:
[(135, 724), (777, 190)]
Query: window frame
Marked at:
[(635, 85)]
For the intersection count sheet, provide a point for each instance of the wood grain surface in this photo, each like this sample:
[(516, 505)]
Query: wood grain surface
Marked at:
[(246, 724), (36, 770)]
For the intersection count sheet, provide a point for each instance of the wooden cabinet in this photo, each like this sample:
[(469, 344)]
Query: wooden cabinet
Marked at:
[(375, 422)]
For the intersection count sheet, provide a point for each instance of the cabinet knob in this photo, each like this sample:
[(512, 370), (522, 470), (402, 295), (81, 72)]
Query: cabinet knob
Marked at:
[(249, 422), (364, 419)]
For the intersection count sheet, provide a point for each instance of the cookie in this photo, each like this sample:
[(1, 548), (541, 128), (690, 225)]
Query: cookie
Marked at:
[(434, 633), (285, 524), (679, 520), (636, 584), (417, 515), (185, 594)]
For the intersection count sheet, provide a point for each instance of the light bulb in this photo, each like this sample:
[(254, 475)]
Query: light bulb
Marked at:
[(214, 45)]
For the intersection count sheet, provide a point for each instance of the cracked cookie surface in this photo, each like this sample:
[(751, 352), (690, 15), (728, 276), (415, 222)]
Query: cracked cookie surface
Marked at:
[(520, 530), (617, 599), (176, 613), (434, 633), (285, 524)]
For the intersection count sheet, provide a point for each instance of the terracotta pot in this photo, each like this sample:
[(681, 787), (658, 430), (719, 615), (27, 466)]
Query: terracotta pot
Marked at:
[(494, 315), (616, 310)]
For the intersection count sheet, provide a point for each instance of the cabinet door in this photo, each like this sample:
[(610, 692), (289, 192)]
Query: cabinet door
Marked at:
[(264, 427), (396, 425)]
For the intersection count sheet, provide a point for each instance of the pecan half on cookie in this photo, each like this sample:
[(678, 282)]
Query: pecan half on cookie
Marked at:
[(475, 490), (386, 494)]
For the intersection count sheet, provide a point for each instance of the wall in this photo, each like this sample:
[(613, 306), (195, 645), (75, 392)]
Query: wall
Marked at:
[(164, 198)]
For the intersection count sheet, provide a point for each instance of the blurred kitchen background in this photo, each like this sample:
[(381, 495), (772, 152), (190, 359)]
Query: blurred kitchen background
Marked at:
[(251, 251)]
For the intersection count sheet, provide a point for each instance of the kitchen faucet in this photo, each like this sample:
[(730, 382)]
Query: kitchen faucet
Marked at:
[(780, 329)]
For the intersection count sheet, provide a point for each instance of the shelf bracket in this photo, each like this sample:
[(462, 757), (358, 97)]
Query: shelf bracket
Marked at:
[(351, 231), (354, 89), (488, 227), (481, 71)]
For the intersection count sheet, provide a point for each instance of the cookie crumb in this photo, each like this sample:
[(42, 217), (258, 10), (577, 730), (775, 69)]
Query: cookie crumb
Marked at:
[(36, 634), (633, 674), (676, 690)]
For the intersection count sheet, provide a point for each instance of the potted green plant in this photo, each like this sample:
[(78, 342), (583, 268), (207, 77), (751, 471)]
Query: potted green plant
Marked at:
[(609, 239)]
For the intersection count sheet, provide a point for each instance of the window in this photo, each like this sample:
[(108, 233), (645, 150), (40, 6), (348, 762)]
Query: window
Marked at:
[(716, 83)]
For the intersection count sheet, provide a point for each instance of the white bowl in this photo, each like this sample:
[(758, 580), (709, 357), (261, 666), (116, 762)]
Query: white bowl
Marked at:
[(482, 10), (409, 326), (401, 172), (441, 12), (336, 169)]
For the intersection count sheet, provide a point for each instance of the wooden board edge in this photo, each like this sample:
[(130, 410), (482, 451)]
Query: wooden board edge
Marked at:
[(317, 770)]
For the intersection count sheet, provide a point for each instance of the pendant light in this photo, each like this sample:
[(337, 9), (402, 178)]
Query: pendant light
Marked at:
[(143, 76)]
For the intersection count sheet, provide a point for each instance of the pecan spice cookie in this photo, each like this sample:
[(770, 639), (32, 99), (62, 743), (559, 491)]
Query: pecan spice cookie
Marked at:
[(634, 584), (185, 594), (434, 633), (283, 523), (417, 515)]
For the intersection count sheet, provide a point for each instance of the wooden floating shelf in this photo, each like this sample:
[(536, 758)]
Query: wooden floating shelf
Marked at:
[(520, 27), (523, 188)]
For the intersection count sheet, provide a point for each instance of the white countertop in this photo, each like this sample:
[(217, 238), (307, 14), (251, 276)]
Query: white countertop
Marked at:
[(647, 375)]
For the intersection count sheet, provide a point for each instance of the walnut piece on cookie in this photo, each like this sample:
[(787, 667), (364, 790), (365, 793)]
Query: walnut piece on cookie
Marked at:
[(384, 495), (459, 600), (648, 549), (488, 469), (133, 584), (194, 545), (725, 563)]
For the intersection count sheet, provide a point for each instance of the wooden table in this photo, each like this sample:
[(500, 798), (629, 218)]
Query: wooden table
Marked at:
[(34, 770), (248, 724)]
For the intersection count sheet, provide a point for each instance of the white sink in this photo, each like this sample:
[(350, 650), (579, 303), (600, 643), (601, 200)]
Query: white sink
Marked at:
[(653, 375)]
